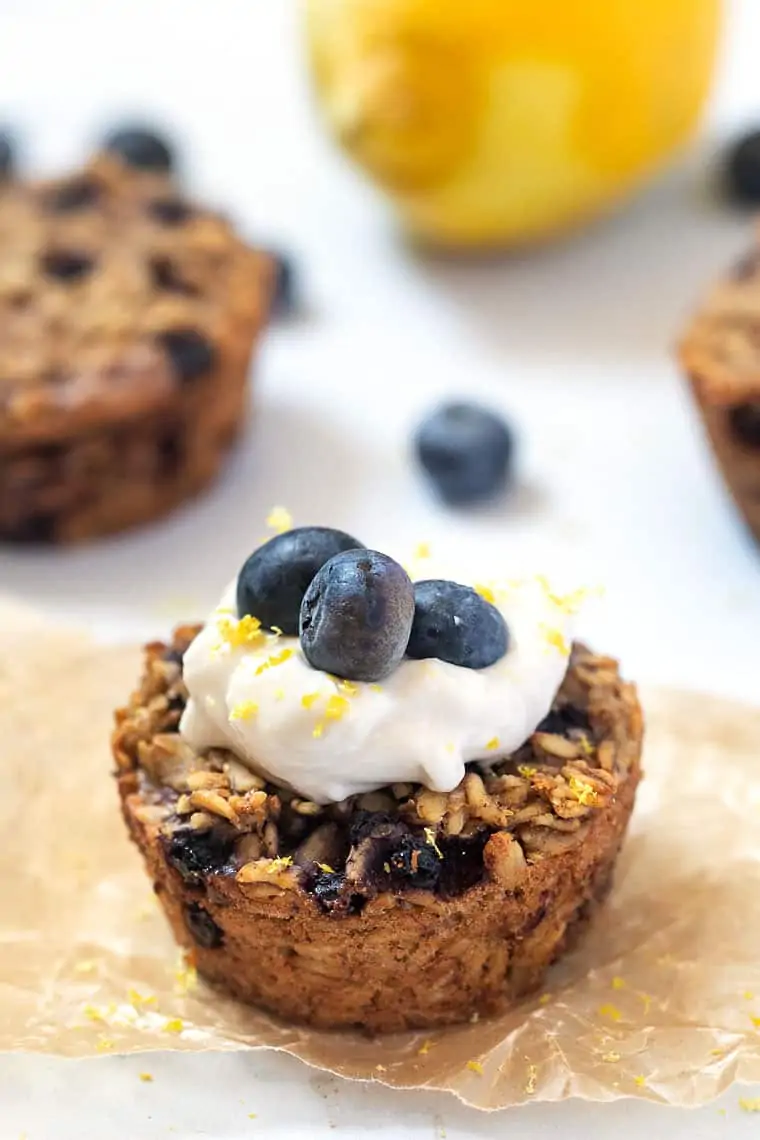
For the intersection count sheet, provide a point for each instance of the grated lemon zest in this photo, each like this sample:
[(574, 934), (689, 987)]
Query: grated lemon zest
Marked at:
[(173, 1025), (526, 770), (749, 1103), (586, 796), (318, 730), (611, 1011), (145, 1076), (425, 1047), (336, 707), (485, 592), (308, 699), (279, 519), (279, 864), (493, 744), (556, 639), (246, 632), (430, 839), (328, 870), (244, 710), (618, 983), (532, 1081), (275, 659), (475, 1067)]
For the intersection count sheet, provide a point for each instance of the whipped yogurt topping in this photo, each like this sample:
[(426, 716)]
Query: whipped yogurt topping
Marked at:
[(255, 693)]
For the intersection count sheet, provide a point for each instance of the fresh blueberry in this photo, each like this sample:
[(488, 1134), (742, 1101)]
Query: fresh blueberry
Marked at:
[(203, 930), (6, 155), (356, 616), (467, 451), (742, 174), (190, 353), (273, 581), (744, 420), (453, 623), (140, 148)]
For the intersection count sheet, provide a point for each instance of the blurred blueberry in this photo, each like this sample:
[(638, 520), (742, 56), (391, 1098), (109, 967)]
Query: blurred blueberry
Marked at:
[(466, 451)]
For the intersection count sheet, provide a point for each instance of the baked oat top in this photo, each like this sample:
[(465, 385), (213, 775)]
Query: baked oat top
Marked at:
[(720, 350), (115, 291)]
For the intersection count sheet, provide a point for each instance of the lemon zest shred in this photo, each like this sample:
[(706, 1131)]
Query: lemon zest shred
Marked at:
[(279, 519), (493, 744), (274, 660), (532, 1081), (755, 1021), (280, 863), (336, 707), (244, 710), (475, 1067), (618, 983), (318, 730), (244, 633), (145, 1077), (430, 840), (611, 1011), (486, 593), (526, 770), (308, 699), (749, 1103), (425, 1048), (326, 868), (173, 1025), (586, 796)]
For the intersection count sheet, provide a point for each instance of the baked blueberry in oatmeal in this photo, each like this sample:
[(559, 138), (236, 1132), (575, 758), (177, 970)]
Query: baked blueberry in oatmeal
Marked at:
[(393, 854)]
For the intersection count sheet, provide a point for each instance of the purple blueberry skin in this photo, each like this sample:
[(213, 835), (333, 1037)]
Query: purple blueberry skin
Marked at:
[(466, 451), (273, 581), (453, 623), (357, 615)]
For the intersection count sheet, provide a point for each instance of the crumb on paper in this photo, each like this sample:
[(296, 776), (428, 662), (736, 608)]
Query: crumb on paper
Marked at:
[(532, 1081), (611, 1011), (475, 1067), (146, 1077), (749, 1103)]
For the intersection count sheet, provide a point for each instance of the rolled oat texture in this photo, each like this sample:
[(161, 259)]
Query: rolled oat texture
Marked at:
[(720, 354), (400, 909), (129, 317)]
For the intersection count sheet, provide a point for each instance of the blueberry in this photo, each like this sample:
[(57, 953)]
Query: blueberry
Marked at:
[(139, 147), (742, 174), (203, 930), (170, 211), (196, 854), (415, 863), (744, 420), (67, 265), (76, 194), (6, 155), (356, 616), (273, 581), (191, 354), (284, 293), (466, 450), (453, 623)]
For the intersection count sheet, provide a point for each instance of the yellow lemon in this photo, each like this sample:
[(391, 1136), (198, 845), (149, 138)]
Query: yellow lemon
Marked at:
[(496, 122)]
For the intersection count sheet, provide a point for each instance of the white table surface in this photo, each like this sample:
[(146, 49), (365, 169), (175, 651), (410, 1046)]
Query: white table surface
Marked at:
[(573, 342)]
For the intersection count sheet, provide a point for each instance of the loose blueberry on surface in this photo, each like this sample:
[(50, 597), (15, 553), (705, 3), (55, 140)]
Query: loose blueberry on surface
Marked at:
[(203, 930), (138, 147), (191, 354), (7, 154), (743, 170), (67, 265), (466, 451), (356, 616), (273, 581), (453, 623), (744, 420)]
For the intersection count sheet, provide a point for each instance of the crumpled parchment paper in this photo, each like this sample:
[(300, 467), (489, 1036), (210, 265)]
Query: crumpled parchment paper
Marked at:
[(661, 1000)]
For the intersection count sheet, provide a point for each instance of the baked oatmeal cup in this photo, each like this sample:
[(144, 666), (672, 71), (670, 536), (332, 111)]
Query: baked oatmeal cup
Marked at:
[(304, 882)]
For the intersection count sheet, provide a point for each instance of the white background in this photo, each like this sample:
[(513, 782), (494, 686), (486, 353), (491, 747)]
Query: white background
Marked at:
[(572, 342)]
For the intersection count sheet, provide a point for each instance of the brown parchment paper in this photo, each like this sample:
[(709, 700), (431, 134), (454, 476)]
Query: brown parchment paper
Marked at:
[(661, 1001)]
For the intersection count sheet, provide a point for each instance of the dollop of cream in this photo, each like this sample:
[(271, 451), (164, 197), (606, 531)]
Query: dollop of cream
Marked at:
[(325, 738)]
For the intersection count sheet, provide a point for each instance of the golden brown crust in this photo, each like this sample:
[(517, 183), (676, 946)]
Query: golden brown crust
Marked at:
[(720, 354), (98, 429), (434, 907)]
